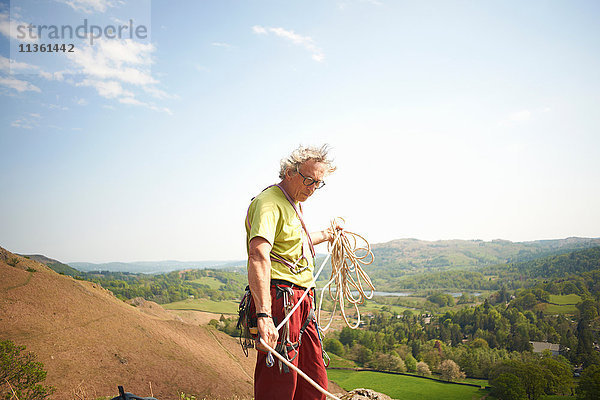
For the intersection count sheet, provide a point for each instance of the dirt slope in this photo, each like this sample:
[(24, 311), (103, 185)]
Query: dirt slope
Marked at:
[(90, 341)]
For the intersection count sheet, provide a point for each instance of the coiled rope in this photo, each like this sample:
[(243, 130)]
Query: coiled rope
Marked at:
[(349, 255)]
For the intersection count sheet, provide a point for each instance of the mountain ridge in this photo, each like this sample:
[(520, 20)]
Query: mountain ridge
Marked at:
[(395, 252)]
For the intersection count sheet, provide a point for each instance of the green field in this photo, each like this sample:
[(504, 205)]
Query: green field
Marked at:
[(553, 309), (339, 362), (563, 304), (373, 306), (404, 387), (209, 281), (218, 307), (565, 299)]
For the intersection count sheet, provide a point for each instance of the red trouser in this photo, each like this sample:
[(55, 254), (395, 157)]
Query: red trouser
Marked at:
[(269, 382)]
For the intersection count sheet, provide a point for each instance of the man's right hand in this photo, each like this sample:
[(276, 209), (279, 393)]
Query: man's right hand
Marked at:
[(268, 332)]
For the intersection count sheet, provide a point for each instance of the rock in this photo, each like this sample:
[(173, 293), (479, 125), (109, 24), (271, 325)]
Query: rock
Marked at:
[(364, 394)]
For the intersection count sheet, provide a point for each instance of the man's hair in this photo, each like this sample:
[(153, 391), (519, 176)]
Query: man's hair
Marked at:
[(303, 154)]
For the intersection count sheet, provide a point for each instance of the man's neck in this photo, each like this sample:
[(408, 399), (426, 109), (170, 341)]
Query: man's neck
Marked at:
[(283, 185)]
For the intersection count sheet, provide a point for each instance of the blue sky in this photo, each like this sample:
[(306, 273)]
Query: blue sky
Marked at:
[(447, 119)]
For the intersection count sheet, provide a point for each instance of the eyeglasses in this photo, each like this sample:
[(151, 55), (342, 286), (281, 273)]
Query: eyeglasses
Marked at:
[(308, 181)]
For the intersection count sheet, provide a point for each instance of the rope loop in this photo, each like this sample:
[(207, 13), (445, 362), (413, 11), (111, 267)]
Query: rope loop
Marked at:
[(350, 252)]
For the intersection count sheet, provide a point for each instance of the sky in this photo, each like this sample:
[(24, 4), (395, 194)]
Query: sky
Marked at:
[(446, 120)]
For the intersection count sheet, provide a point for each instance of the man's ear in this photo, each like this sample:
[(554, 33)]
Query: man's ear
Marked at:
[(289, 173)]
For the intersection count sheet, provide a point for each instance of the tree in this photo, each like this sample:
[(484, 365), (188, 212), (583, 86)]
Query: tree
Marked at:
[(441, 299), (558, 376), (450, 371), (508, 387), (411, 363), (360, 354), (332, 345), (531, 377), (423, 368), (589, 384), (388, 362), (347, 335), (20, 374)]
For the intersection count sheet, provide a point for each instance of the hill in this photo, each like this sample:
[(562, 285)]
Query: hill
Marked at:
[(90, 341), (399, 264), (153, 267), (420, 254), (55, 265)]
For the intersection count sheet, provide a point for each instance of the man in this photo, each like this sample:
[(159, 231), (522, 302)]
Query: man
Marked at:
[(280, 268)]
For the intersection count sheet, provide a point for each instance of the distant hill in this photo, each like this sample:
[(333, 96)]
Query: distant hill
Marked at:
[(557, 266), (89, 341), (413, 254), (153, 267), (493, 277), (55, 265)]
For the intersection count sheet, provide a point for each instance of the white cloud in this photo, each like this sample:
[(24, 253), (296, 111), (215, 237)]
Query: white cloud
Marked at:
[(259, 30), (8, 65), (89, 6), (28, 122), (304, 41), (136, 102), (118, 69), (157, 93), (124, 60), (55, 107), (18, 85), (518, 116), (222, 44), (52, 76), (131, 100), (9, 29), (108, 89), (82, 102)]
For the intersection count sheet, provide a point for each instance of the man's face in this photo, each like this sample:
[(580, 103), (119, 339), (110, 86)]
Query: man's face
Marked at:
[(310, 169)]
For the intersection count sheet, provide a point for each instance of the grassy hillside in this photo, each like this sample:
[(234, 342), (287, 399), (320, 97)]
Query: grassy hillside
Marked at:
[(513, 275), (90, 341), (401, 264), (220, 307), (413, 254)]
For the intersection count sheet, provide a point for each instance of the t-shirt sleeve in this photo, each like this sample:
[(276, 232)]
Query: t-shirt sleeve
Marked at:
[(263, 218)]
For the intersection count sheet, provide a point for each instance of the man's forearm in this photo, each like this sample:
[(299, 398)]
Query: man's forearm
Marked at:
[(321, 236), (259, 280)]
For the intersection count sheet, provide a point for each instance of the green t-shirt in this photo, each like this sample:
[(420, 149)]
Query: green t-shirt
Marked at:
[(272, 217)]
